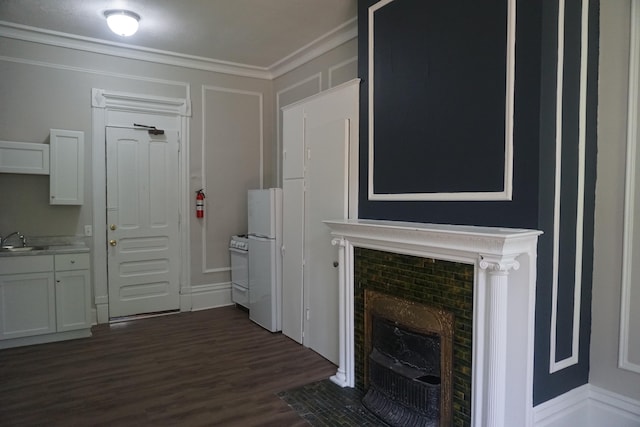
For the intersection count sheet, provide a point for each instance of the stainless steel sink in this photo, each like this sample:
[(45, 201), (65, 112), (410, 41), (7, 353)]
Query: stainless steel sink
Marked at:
[(22, 248)]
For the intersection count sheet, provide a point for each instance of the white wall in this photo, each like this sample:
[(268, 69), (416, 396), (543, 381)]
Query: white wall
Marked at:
[(231, 147), (232, 134), (612, 123)]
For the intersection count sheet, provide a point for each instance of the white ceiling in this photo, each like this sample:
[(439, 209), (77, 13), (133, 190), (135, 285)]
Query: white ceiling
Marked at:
[(255, 33)]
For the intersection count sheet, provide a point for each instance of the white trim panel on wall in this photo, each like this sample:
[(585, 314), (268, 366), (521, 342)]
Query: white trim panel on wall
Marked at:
[(206, 135), (342, 65), (555, 365), (506, 193), (629, 345)]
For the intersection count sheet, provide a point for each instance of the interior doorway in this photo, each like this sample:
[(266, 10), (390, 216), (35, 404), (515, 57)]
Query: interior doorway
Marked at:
[(142, 221)]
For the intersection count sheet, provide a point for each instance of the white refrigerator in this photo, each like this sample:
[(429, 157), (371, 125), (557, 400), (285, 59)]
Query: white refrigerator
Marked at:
[(265, 257)]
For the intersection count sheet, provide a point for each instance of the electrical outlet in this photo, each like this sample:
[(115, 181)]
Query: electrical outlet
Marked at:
[(88, 230)]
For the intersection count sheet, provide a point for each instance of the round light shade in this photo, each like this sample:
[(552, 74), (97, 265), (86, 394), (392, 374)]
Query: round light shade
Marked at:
[(122, 22)]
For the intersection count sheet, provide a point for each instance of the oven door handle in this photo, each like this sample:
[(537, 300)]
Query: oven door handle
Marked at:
[(238, 251)]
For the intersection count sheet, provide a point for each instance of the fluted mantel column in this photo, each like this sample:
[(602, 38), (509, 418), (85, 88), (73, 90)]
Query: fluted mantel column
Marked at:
[(497, 268), (344, 376)]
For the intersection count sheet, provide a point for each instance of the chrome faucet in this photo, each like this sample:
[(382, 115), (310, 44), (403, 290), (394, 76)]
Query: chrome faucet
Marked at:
[(3, 240)]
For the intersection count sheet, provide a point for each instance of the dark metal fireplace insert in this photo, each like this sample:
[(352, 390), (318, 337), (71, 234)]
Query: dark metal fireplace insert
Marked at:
[(408, 365)]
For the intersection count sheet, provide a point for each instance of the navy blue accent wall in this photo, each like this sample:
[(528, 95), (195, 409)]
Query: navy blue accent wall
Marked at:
[(519, 212), (548, 386), (414, 160), (437, 139)]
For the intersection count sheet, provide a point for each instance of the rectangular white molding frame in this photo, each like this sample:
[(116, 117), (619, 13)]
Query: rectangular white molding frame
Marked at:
[(629, 286), (506, 193), (504, 263), (555, 365), (259, 99)]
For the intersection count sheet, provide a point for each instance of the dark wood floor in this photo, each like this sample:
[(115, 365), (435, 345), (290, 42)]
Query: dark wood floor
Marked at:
[(207, 368)]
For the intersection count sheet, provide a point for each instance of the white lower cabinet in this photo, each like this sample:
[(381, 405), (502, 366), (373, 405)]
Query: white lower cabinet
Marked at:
[(27, 302), (44, 298)]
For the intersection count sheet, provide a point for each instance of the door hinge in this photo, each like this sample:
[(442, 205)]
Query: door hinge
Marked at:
[(308, 314)]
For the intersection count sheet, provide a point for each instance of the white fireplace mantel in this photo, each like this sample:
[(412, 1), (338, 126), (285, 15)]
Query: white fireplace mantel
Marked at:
[(504, 263)]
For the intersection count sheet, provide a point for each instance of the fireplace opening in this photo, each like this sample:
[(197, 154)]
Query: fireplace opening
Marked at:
[(408, 365)]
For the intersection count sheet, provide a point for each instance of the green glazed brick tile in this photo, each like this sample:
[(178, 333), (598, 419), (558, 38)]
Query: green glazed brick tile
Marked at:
[(442, 284)]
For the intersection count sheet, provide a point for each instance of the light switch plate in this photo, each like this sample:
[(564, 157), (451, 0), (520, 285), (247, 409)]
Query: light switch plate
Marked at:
[(88, 230)]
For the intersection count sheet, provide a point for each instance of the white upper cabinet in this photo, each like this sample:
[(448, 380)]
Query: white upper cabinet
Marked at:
[(24, 157), (67, 167), (292, 142)]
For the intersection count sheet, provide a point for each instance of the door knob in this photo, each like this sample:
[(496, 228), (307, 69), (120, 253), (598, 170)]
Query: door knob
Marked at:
[(112, 227), (113, 242), (335, 263)]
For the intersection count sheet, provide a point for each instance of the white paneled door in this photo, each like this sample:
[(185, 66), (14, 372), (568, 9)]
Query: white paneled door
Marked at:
[(142, 221), (326, 198)]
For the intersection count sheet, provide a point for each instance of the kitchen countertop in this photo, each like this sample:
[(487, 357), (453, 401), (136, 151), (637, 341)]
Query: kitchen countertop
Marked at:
[(50, 250)]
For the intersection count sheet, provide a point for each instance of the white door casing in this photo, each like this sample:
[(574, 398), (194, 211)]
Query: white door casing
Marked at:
[(122, 109), (142, 221)]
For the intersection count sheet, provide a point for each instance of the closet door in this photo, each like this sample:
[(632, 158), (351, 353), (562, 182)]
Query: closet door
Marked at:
[(292, 258), (326, 197), (293, 142)]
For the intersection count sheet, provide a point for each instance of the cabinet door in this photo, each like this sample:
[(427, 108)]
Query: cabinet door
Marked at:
[(66, 167), (24, 157), (27, 305), (73, 300), (293, 142), (292, 259)]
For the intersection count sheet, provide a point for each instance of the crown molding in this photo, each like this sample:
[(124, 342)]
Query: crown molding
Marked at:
[(321, 45), (121, 50)]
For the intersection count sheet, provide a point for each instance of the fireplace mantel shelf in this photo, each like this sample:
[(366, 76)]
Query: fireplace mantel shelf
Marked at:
[(420, 237), (503, 314)]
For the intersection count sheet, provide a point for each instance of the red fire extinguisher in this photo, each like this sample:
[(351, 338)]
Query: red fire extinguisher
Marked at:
[(199, 204)]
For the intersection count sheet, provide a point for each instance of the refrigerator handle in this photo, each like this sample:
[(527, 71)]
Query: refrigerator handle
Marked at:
[(259, 238)]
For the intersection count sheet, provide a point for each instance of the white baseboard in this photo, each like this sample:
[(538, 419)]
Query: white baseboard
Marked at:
[(214, 295), (588, 406)]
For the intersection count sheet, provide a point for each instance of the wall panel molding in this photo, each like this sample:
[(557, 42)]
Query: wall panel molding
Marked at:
[(629, 350), (464, 195), (554, 364), (334, 69), (205, 223)]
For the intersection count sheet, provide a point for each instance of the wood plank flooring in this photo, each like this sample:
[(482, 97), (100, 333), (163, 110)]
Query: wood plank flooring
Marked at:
[(206, 368)]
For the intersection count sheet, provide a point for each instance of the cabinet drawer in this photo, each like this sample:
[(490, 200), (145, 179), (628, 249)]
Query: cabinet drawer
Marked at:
[(72, 262), (26, 264), (240, 295)]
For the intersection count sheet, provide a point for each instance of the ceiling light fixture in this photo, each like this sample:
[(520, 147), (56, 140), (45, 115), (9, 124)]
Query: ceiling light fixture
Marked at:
[(122, 22)]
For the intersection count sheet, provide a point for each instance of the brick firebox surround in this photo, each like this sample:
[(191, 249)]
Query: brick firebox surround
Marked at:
[(440, 284)]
